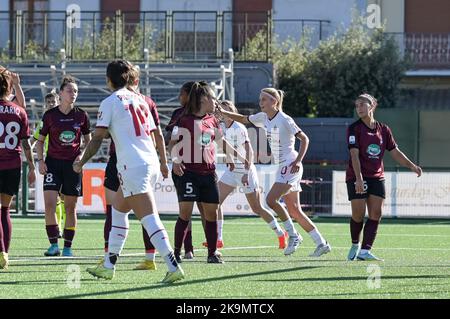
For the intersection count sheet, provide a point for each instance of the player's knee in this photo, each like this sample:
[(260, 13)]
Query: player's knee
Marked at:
[(271, 201)]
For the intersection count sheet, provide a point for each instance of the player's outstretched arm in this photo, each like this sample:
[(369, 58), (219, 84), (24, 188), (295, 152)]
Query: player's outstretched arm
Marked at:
[(91, 149), (403, 160), (234, 116)]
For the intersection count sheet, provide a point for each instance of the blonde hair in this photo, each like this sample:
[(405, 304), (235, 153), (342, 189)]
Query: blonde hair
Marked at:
[(278, 95)]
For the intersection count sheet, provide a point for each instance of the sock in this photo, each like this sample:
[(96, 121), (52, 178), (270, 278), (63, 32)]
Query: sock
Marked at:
[(68, 235), (52, 233), (370, 232), (188, 241), (317, 237), (219, 229), (289, 226), (160, 239), (107, 226), (355, 230), (2, 244), (59, 212), (149, 248), (117, 237), (7, 228), (276, 228), (211, 236), (180, 228)]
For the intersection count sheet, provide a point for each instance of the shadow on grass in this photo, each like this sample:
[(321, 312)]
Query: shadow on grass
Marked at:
[(356, 278), (183, 283)]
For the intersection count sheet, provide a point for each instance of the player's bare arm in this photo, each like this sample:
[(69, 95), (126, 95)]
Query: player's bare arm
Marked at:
[(42, 167), (91, 149), (354, 154), (234, 116), (18, 92), (403, 160), (295, 165), (29, 156), (161, 148)]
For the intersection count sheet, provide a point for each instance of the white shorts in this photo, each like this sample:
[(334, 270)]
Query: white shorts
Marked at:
[(285, 176), (235, 179), (138, 180)]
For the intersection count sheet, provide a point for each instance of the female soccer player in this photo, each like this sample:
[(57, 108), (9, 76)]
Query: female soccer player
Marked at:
[(236, 134), (281, 133), (51, 100), (367, 141), (13, 128), (65, 126), (176, 114), (16, 95), (126, 117), (195, 176)]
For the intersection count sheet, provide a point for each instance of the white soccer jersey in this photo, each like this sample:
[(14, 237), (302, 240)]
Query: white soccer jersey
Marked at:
[(127, 117), (281, 131), (236, 135)]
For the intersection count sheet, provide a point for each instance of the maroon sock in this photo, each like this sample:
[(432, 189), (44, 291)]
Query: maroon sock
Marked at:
[(188, 241), (147, 242), (7, 228), (2, 244), (68, 236), (107, 227), (52, 233), (211, 236), (370, 232), (355, 230), (180, 228)]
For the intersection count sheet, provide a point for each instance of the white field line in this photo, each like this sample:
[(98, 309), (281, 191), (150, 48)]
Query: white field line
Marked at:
[(27, 259)]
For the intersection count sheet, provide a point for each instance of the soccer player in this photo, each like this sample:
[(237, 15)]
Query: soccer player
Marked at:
[(51, 100), (176, 114), (13, 129), (66, 125), (195, 176), (281, 133), (16, 95), (236, 134), (126, 117), (367, 141)]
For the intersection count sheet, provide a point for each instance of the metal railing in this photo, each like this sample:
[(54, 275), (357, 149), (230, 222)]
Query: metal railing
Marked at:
[(164, 36), (425, 50)]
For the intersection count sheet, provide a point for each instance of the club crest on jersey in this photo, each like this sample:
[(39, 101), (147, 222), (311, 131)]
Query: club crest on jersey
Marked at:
[(67, 137), (373, 150), (205, 139)]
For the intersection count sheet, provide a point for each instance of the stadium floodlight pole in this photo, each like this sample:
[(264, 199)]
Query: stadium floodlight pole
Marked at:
[(146, 67), (231, 54), (63, 61), (33, 109)]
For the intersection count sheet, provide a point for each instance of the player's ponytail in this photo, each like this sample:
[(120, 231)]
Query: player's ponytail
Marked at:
[(5, 83), (197, 91)]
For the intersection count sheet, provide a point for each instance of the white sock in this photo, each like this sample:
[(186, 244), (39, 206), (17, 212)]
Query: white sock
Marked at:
[(160, 239), (317, 237), (289, 226), (219, 229), (276, 227), (149, 255), (117, 237)]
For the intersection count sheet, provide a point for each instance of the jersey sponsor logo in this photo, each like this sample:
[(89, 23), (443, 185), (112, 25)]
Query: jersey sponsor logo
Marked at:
[(67, 137), (373, 150), (205, 139), (352, 139)]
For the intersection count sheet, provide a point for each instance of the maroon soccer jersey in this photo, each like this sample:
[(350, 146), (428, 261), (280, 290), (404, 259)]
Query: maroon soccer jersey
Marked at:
[(372, 144), (199, 153), (153, 109), (13, 129), (176, 114), (65, 132)]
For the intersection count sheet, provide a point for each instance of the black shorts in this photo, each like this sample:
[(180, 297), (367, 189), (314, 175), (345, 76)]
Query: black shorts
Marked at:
[(9, 181), (61, 177), (372, 186), (193, 187), (111, 178)]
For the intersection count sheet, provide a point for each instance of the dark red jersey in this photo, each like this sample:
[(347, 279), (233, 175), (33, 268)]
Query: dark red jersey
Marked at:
[(199, 152), (13, 129), (153, 109), (65, 131), (176, 114), (372, 144)]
